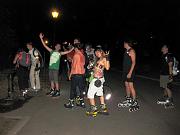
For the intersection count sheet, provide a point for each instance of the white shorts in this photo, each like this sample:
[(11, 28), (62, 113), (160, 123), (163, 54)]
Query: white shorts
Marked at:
[(93, 90)]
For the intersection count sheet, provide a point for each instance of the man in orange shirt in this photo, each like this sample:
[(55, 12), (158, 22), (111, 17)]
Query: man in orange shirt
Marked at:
[(77, 77)]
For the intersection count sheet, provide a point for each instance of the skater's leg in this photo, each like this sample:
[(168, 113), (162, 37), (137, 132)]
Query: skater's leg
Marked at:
[(57, 85), (127, 89), (102, 100), (132, 90), (165, 93), (38, 85), (73, 94), (32, 77), (73, 87), (169, 93), (92, 101), (52, 85)]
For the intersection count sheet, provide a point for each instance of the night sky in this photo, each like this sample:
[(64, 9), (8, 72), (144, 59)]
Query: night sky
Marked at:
[(148, 22)]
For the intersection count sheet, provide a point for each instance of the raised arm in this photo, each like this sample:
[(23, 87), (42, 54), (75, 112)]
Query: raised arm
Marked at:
[(107, 61), (66, 52), (41, 36)]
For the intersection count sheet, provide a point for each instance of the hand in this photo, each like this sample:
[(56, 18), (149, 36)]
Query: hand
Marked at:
[(41, 35), (129, 75), (107, 55), (65, 43)]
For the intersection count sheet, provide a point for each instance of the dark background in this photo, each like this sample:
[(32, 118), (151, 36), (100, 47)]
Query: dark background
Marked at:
[(150, 23)]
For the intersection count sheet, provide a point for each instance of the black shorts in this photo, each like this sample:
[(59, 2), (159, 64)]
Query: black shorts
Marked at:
[(125, 79)]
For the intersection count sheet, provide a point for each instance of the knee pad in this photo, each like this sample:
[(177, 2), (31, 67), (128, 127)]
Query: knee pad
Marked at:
[(98, 83)]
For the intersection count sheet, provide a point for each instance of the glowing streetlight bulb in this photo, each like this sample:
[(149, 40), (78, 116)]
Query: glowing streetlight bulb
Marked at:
[(46, 41), (55, 14)]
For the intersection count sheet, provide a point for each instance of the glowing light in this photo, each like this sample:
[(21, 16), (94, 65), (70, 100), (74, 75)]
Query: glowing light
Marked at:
[(46, 42), (108, 96), (55, 14)]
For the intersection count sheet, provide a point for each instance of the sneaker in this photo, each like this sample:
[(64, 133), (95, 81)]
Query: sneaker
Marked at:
[(103, 109), (92, 111), (56, 93), (51, 92), (70, 104)]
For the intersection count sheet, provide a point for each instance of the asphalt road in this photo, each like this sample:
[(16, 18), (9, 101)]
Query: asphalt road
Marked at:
[(46, 116)]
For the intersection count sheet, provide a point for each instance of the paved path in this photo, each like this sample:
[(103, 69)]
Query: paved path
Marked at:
[(46, 116)]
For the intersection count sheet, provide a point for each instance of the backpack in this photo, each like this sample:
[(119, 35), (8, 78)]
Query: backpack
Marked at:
[(175, 69), (39, 56), (24, 59)]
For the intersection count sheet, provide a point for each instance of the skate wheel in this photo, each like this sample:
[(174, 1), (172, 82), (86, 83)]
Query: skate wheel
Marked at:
[(119, 105), (158, 102), (130, 109)]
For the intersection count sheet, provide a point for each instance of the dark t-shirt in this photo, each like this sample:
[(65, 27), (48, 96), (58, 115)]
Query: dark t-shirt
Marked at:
[(127, 61), (165, 60)]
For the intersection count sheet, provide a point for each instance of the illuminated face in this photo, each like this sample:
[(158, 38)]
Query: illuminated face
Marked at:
[(58, 47), (29, 46), (98, 54), (76, 41), (126, 45), (164, 49)]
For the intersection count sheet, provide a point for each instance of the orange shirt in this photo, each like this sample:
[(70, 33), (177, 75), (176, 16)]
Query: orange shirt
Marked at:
[(78, 63), (70, 55)]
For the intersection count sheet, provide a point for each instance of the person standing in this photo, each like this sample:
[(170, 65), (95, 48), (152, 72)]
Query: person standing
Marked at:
[(166, 76), (54, 64), (96, 85), (77, 77), (129, 63), (22, 64), (34, 70)]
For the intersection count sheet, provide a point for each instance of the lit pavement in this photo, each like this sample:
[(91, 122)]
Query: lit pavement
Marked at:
[(47, 116)]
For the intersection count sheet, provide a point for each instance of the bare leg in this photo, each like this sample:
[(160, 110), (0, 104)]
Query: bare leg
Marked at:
[(132, 90), (127, 89), (165, 92), (57, 85), (102, 100), (52, 85), (92, 101), (169, 92)]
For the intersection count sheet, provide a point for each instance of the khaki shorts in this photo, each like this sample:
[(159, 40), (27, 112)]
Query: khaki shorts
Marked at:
[(164, 80), (53, 75)]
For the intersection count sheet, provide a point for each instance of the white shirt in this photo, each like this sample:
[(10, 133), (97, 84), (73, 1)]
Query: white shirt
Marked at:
[(33, 56)]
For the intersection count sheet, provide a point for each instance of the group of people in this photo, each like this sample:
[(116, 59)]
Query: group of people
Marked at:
[(28, 67), (88, 65), (78, 72)]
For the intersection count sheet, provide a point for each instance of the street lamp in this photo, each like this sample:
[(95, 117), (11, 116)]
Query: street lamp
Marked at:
[(46, 42), (55, 15)]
